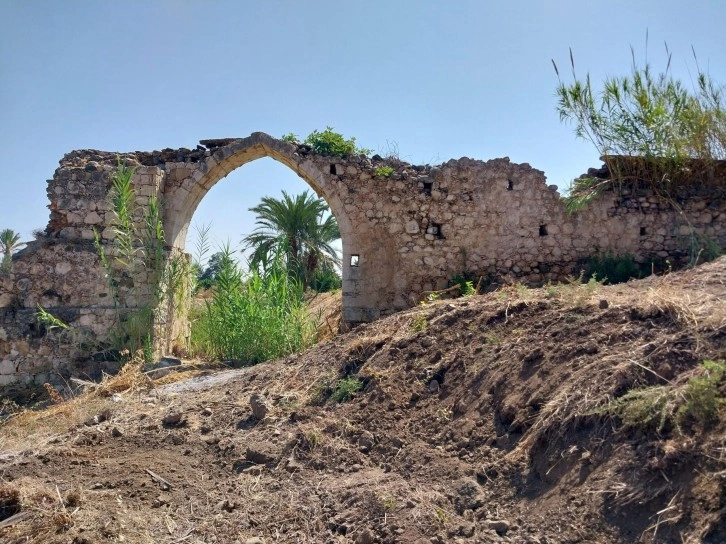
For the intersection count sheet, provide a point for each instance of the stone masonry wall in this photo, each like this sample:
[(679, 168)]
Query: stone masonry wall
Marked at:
[(62, 273), (404, 233)]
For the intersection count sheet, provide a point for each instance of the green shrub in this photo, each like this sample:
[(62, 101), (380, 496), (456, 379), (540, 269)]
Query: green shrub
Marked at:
[(344, 389), (703, 401), (466, 285), (326, 279), (647, 127), (647, 408), (329, 142), (384, 171), (252, 319), (662, 408), (612, 268), (574, 290), (700, 248), (290, 137), (419, 323)]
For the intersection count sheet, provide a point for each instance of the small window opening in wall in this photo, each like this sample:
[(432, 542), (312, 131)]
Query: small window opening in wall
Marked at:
[(543, 230), (435, 229), (428, 186), (354, 260), (510, 185), (333, 170), (643, 231)]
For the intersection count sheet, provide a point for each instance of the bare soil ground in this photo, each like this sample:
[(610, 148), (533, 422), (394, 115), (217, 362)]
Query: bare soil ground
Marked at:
[(488, 419)]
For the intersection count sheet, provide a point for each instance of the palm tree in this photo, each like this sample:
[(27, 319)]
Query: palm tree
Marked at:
[(9, 242), (299, 230)]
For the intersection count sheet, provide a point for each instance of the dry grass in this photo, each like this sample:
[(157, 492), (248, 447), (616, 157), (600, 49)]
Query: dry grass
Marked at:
[(291, 505), (362, 347), (679, 304), (588, 390), (326, 310), (31, 429), (692, 305), (34, 429), (49, 512)]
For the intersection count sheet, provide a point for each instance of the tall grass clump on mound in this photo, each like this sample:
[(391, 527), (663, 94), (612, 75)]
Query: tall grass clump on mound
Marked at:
[(650, 128), (252, 317)]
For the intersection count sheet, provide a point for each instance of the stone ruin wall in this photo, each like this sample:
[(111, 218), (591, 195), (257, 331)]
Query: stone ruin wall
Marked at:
[(411, 232), (62, 273)]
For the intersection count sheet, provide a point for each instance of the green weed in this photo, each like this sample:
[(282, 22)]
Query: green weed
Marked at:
[(444, 415), (290, 137), (662, 408), (419, 323), (289, 403), (550, 290), (440, 515), (514, 291), (49, 320), (345, 389), (389, 503), (466, 286), (613, 268), (384, 171), (702, 399), (574, 290), (329, 142), (700, 248), (648, 408), (314, 438)]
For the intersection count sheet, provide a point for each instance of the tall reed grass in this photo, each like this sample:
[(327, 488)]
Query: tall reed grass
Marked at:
[(650, 128), (252, 317)]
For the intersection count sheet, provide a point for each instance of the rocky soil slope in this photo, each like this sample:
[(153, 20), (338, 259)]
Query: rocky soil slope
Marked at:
[(577, 413)]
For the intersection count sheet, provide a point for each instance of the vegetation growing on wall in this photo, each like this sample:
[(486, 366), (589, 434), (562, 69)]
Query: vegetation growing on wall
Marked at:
[(329, 142), (137, 257), (384, 171)]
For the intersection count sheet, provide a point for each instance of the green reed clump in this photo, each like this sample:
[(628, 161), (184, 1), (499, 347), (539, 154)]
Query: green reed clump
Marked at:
[(252, 317), (650, 128)]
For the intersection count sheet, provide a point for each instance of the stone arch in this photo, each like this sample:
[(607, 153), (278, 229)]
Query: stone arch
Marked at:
[(188, 183), (182, 195)]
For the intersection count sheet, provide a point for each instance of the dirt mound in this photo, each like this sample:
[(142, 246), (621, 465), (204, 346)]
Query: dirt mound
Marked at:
[(327, 310), (567, 414)]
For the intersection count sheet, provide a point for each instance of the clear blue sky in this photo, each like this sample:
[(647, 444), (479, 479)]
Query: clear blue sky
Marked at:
[(439, 79)]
